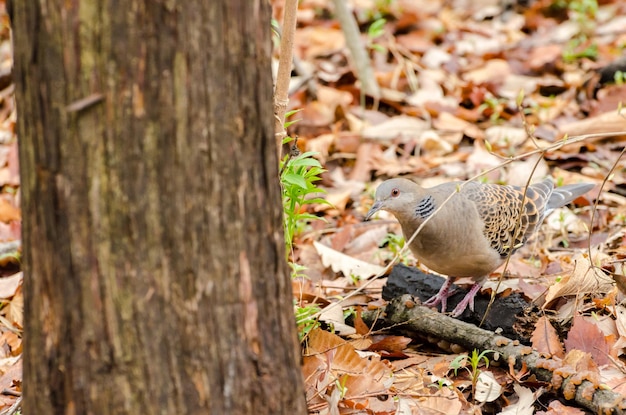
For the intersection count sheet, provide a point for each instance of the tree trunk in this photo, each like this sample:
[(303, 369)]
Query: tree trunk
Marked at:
[(155, 280)]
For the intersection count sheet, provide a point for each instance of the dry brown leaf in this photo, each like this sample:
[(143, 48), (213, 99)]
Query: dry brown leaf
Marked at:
[(481, 160), (614, 377), (582, 279), (444, 401), (620, 322), (9, 285), (368, 241), (449, 122), (345, 264), (430, 90), (546, 340), (400, 126), (364, 161), (8, 212), (313, 41), (587, 337), (543, 55), (495, 70), (337, 198), (390, 343), (11, 369), (359, 324), (502, 136), (15, 309), (321, 145), (608, 122), (13, 340), (432, 144), (360, 376), (333, 97), (361, 343), (518, 172), (525, 401), (557, 408)]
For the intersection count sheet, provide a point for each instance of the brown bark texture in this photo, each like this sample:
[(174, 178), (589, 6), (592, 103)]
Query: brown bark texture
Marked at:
[(155, 280)]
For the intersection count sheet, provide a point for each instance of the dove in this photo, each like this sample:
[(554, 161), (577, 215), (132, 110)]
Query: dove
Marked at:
[(474, 232)]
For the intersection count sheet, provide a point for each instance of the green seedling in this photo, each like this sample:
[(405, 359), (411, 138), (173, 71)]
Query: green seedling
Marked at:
[(305, 319), (375, 31), (298, 178), (395, 243), (583, 12), (471, 364)]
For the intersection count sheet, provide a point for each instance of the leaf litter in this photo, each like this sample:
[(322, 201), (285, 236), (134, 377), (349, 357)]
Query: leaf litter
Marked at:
[(451, 75)]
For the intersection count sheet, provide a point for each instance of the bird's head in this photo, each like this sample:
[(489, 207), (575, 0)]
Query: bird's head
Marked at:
[(394, 196)]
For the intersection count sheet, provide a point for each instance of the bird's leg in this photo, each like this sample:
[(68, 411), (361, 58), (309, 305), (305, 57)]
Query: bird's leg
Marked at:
[(441, 297), (468, 300)]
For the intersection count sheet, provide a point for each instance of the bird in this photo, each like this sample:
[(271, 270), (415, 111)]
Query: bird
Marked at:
[(474, 232)]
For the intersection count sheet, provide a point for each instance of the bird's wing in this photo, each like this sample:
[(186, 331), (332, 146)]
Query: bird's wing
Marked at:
[(499, 207)]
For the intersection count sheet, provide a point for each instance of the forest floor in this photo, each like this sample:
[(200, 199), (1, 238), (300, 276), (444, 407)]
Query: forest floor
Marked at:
[(11, 299), (485, 90)]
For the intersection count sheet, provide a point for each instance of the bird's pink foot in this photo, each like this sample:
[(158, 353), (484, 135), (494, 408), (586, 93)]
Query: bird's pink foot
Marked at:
[(441, 297), (468, 300)]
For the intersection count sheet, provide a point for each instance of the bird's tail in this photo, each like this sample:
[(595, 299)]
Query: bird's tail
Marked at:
[(563, 195)]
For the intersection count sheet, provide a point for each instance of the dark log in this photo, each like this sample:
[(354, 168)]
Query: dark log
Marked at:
[(503, 314)]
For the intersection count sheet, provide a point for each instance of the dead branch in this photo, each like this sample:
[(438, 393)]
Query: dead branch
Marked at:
[(360, 59), (404, 311)]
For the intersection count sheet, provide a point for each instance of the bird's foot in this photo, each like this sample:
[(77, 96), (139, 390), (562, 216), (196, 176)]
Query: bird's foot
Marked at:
[(441, 297), (468, 300)]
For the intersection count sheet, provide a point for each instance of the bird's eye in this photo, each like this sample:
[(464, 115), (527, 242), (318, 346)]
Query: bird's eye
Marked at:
[(395, 192)]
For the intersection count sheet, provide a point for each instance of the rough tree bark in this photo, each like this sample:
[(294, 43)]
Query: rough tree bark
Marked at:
[(153, 252)]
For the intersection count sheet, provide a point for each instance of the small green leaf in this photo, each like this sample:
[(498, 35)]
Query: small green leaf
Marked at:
[(295, 179), (376, 29), (520, 98), (307, 216), (290, 113), (289, 123), (317, 200), (488, 146), (307, 161)]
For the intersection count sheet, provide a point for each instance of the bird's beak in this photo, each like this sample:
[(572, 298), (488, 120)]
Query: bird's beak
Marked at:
[(375, 208)]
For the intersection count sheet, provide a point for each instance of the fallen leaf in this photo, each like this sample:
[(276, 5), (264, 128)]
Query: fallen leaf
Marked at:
[(546, 340), (8, 212), (360, 376), (583, 279), (525, 401), (400, 126), (487, 388), (345, 264), (587, 337), (334, 317), (557, 408), (620, 322), (390, 343), (15, 309)]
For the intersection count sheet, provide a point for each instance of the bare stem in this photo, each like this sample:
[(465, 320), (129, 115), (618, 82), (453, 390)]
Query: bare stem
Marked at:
[(360, 59), (281, 93)]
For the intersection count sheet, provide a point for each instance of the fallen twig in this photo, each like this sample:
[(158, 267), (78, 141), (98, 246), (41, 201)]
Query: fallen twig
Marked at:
[(404, 311)]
